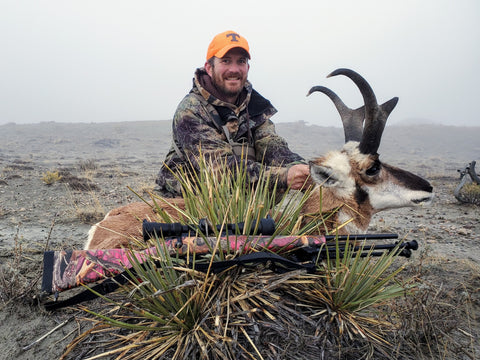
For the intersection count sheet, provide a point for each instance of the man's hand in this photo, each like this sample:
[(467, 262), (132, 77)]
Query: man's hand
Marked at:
[(298, 177)]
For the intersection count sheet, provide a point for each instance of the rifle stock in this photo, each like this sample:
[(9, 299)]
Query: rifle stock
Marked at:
[(66, 269)]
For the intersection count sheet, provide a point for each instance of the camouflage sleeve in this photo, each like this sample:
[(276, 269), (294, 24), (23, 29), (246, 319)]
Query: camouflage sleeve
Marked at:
[(272, 148), (195, 132)]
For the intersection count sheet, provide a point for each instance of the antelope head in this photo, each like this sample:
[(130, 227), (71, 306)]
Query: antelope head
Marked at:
[(354, 178)]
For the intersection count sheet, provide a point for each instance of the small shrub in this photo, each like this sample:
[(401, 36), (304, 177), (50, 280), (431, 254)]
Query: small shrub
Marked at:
[(77, 183), (470, 193), (81, 184), (90, 216), (87, 208), (51, 177), (89, 168), (87, 165)]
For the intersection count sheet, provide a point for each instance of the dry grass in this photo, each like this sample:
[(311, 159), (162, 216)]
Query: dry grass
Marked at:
[(10, 276), (88, 168), (439, 320), (87, 208), (83, 192), (17, 285), (145, 187), (78, 183), (87, 165), (86, 204)]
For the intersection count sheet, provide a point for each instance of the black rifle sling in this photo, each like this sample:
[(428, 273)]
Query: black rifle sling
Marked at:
[(223, 114), (105, 287)]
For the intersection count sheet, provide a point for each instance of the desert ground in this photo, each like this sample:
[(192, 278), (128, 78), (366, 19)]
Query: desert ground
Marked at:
[(97, 162)]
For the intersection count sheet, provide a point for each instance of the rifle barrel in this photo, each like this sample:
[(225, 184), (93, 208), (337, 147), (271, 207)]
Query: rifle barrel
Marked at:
[(404, 249), (404, 245), (355, 237), (413, 245)]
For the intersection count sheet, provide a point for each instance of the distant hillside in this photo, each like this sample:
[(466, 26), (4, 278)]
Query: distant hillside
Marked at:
[(450, 147)]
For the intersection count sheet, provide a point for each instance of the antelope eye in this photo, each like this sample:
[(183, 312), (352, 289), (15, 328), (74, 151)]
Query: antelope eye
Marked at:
[(374, 169)]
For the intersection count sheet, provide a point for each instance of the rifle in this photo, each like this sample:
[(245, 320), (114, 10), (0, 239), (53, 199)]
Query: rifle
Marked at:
[(67, 269)]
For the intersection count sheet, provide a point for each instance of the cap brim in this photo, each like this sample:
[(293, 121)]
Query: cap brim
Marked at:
[(221, 53)]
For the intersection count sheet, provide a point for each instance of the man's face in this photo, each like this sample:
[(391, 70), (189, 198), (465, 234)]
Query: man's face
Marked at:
[(229, 73)]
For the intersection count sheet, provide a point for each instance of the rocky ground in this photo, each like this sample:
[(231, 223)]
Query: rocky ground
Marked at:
[(96, 162)]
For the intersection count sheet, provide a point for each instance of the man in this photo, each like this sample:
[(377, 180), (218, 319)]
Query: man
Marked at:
[(225, 118)]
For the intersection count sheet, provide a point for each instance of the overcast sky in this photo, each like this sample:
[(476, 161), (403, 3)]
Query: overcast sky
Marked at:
[(117, 60)]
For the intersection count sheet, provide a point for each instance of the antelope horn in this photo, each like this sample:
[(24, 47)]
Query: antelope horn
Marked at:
[(375, 115), (352, 119)]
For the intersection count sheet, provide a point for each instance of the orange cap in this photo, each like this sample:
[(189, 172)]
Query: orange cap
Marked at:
[(225, 41)]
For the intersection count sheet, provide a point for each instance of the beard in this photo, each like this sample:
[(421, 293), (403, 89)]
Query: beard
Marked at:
[(224, 88)]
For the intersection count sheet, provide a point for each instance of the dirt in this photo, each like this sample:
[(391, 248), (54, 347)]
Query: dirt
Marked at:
[(94, 163)]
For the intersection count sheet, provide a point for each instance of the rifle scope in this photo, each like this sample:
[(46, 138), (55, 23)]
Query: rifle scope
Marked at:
[(265, 226)]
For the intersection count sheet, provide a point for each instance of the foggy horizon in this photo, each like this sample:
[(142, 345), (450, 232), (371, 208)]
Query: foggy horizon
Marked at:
[(116, 61)]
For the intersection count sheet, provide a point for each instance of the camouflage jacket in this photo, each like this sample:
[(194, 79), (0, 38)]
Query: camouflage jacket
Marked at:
[(202, 121)]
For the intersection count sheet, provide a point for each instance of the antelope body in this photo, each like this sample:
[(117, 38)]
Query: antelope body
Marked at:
[(352, 179)]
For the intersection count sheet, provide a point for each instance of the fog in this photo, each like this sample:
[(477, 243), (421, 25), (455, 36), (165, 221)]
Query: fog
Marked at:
[(104, 61)]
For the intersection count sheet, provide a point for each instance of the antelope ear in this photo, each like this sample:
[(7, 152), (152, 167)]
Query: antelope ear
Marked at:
[(322, 175)]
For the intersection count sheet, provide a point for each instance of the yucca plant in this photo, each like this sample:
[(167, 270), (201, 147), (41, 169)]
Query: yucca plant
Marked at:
[(168, 310), (169, 313), (228, 196), (224, 195), (347, 292)]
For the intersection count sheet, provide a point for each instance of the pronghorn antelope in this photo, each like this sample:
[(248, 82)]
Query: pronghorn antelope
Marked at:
[(352, 178)]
